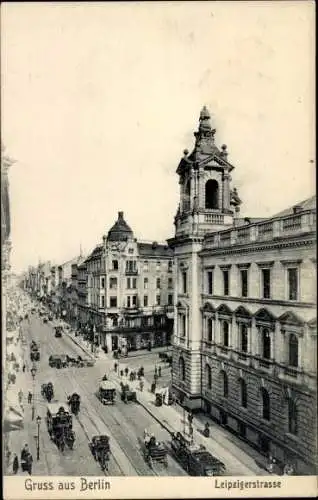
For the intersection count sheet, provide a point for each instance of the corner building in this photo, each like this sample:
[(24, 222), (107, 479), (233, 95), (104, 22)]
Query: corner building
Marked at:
[(245, 317)]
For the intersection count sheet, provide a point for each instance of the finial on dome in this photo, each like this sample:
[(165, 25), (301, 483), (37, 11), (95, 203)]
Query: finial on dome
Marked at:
[(185, 152), (205, 115)]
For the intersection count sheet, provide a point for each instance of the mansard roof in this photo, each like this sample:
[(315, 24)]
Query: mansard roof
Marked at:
[(265, 316), (242, 312), (154, 249), (308, 204), (290, 318)]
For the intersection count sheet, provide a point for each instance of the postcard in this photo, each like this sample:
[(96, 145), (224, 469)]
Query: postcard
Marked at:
[(158, 250)]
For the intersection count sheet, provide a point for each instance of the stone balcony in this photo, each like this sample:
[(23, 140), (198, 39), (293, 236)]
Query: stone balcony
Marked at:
[(290, 225)]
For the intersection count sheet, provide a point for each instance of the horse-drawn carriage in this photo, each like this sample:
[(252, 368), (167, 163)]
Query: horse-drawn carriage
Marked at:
[(59, 424), (100, 449), (74, 402), (154, 451), (107, 392), (34, 351), (47, 391), (127, 394)]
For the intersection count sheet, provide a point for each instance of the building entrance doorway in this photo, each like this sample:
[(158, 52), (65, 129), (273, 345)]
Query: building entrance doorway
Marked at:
[(114, 342), (223, 418), (242, 429), (264, 444)]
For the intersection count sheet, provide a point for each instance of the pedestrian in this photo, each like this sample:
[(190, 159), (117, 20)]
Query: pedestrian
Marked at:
[(159, 371), (15, 465), (20, 395), (190, 418), (29, 463), (141, 385), (121, 373), (156, 371), (115, 367), (30, 397), (126, 371), (23, 368), (191, 432)]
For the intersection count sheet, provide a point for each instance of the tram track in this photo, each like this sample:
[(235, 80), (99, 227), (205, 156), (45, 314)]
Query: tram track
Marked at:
[(115, 421), (119, 437)]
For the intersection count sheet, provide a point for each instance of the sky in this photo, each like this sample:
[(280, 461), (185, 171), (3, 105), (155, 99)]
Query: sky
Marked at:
[(100, 100)]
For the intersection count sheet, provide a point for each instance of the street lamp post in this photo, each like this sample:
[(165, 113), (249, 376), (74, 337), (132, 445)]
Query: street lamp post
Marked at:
[(38, 421), (33, 373)]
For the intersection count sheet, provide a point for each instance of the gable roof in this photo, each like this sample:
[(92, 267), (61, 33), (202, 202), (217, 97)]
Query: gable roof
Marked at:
[(290, 318), (242, 312), (265, 316)]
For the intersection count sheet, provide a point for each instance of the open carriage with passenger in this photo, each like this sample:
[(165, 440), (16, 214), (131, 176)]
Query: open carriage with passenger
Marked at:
[(59, 424), (153, 450), (127, 394), (47, 391), (107, 392), (100, 449), (34, 351), (74, 402)]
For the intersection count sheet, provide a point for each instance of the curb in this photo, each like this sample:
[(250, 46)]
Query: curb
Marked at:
[(80, 346), (154, 416)]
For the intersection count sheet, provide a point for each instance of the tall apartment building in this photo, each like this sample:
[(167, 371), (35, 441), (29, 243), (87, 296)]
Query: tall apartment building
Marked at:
[(245, 321), (129, 290)]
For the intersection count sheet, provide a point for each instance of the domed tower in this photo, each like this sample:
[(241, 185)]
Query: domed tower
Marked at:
[(204, 178), (120, 230), (206, 203)]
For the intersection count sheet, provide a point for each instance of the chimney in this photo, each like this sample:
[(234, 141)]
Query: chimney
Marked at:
[(297, 209)]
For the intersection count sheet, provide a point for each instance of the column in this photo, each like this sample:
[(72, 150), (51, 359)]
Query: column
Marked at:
[(234, 334), (254, 338)]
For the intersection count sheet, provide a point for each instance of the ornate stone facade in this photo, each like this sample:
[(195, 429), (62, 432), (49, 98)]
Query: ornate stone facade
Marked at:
[(245, 327)]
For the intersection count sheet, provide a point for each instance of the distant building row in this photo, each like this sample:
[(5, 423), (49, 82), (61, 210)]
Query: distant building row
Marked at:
[(121, 295)]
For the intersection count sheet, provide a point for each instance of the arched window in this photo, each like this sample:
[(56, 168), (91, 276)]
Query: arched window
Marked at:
[(293, 350), (212, 194), (208, 376), (243, 389), (226, 329), (181, 368), (210, 329), (266, 343), (225, 382), (292, 417), (187, 192), (266, 408)]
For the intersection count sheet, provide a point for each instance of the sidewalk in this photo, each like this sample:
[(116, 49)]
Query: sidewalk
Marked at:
[(240, 458), (17, 439)]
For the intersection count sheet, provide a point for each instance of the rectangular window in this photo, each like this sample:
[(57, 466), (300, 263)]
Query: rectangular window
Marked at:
[(210, 282), (158, 300), (210, 329), (128, 301), (134, 300), (226, 282), (115, 265), (170, 283), (266, 283), (243, 337), (158, 265), (113, 301), (158, 283), (292, 276), (103, 283), (146, 283), (184, 282), (103, 301), (113, 283), (226, 333), (128, 284), (170, 300), (146, 266), (244, 282), (182, 325), (145, 300), (134, 283)]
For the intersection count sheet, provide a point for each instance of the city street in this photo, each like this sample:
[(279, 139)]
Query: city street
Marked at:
[(125, 423)]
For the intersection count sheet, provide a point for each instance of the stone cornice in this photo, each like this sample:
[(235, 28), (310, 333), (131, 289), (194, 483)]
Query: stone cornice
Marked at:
[(259, 246), (264, 302)]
